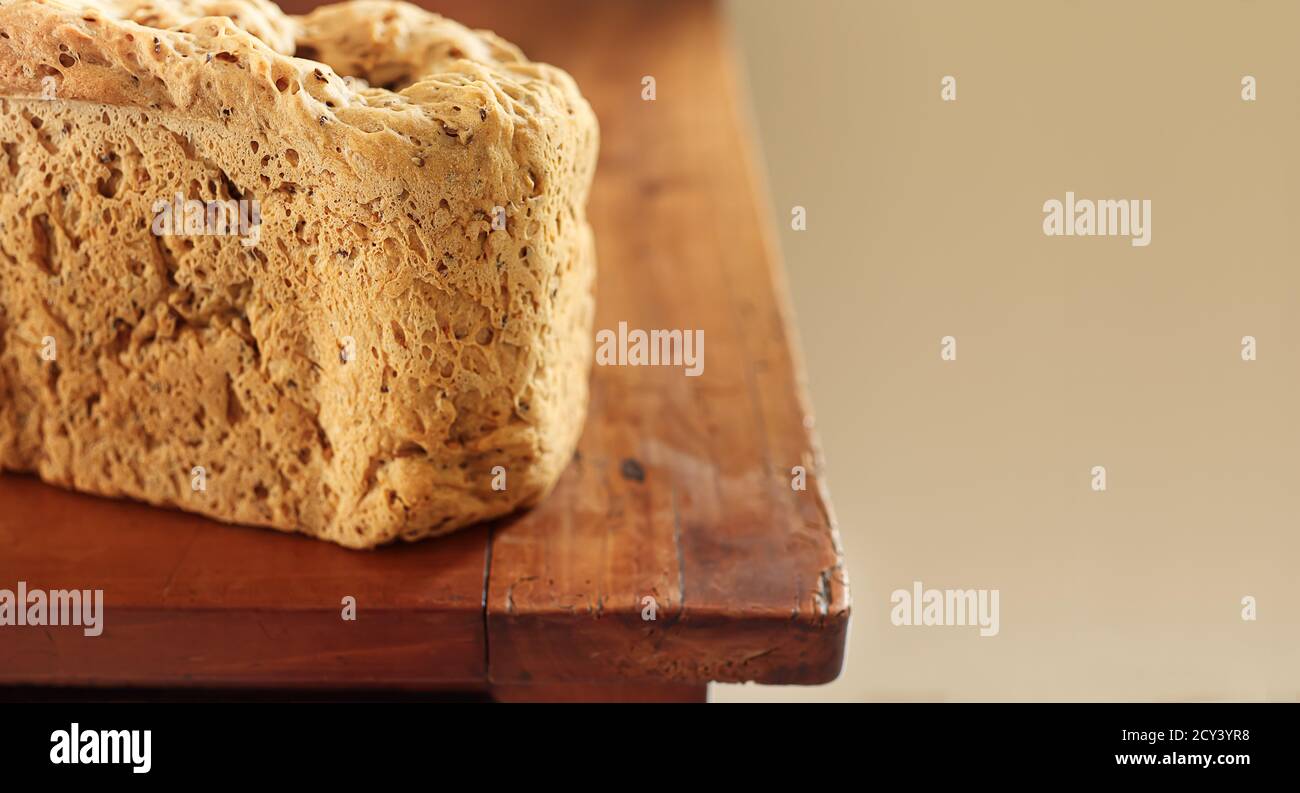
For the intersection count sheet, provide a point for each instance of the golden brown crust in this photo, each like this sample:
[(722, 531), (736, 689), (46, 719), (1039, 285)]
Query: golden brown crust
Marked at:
[(377, 192)]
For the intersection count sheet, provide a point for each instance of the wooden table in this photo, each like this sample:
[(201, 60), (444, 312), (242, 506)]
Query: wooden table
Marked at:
[(681, 490)]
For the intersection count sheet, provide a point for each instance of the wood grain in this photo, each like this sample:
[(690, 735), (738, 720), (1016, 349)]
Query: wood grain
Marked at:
[(746, 571), (191, 601), (680, 490)]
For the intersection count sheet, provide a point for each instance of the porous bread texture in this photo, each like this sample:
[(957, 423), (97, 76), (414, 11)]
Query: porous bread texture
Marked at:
[(378, 161)]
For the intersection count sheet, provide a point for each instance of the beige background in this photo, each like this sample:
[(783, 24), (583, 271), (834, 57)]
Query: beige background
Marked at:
[(925, 220)]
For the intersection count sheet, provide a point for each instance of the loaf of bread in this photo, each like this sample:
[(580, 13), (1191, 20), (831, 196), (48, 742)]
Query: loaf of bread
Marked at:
[(329, 273)]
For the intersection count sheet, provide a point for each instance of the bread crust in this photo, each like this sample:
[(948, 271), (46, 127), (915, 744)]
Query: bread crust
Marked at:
[(384, 356)]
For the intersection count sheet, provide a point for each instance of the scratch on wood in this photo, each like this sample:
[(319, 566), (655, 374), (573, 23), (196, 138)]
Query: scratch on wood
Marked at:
[(510, 592), (823, 595), (681, 559)]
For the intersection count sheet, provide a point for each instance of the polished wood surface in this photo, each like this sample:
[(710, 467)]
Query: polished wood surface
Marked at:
[(190, 601), (680, 491)]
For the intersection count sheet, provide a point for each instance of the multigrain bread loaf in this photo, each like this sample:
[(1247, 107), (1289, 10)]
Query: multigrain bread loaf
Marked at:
[(400, 348)]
